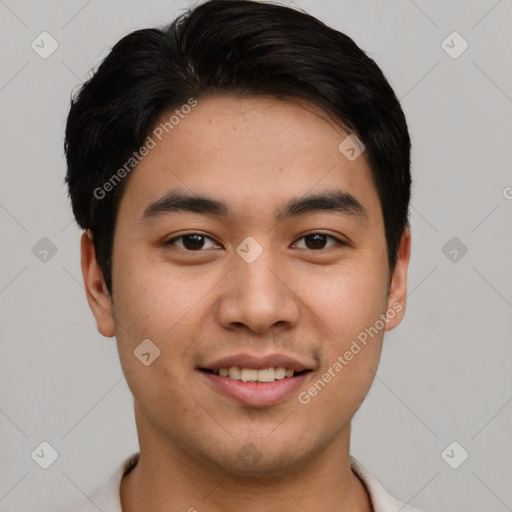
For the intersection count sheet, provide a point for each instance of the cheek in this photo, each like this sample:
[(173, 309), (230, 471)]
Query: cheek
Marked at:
[(345, 299), (347, 311), (151, 298), (347, 304), (153, 301), (148, 304)]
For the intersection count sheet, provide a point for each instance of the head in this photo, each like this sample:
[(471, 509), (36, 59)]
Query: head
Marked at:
[(216, 164)]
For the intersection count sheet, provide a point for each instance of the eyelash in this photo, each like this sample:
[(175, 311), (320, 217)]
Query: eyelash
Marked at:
[(337, 240)]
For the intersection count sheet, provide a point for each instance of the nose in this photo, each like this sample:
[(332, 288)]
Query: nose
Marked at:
[(258, 295)]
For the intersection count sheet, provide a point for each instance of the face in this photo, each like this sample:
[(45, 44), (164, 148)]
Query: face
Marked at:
[(258, 275)]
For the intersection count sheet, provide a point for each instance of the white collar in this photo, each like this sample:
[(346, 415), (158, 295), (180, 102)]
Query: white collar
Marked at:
[(107, 498)]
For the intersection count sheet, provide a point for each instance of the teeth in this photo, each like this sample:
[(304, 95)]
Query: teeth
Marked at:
[(248, 375), (252, 375), (266, 375), (234, 373), (280, 373)]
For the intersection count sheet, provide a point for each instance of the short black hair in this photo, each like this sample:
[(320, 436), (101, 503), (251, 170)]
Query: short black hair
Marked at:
[(238, 47)]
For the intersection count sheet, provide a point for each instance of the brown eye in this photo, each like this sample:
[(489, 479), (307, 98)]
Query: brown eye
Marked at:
[(315, 241), (191, 242)]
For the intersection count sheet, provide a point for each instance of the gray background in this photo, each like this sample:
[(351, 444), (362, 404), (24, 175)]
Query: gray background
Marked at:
[(445, 373)]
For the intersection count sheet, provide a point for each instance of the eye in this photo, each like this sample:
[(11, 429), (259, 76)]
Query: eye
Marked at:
[(315, 241), (198, 241), (191, 242)]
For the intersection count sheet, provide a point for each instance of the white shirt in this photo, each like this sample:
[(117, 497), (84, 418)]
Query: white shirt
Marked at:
[(107, 499)]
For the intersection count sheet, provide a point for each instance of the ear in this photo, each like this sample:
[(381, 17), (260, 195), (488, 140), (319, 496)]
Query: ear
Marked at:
[(95, 287), (397, 296)]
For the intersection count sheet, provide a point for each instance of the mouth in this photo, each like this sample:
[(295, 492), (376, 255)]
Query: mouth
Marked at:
[(262, 375), (256, 381)]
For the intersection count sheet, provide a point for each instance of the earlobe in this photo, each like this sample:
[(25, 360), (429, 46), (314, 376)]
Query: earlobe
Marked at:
[(397, 296), (95, 288)]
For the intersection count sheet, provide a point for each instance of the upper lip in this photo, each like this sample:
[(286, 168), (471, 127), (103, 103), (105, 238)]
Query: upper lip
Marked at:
[(258, 362)]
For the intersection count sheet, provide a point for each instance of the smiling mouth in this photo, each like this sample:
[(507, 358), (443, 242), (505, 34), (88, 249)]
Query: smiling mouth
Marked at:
[(263, 375)]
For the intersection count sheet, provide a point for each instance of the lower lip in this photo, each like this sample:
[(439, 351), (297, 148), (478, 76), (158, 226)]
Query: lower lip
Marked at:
[(257, 394)]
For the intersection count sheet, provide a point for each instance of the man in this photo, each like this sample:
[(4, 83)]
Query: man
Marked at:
[(242, 177)]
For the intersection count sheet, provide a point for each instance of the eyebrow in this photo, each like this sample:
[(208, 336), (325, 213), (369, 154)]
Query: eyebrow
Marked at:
[(337, 201)]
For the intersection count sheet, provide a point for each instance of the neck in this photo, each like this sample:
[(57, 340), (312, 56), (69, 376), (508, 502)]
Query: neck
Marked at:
[(168, 478)]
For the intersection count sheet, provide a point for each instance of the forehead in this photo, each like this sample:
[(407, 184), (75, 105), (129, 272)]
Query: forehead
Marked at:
[(252, 152)]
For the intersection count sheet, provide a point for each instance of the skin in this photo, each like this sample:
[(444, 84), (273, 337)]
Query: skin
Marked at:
[(197, 306)]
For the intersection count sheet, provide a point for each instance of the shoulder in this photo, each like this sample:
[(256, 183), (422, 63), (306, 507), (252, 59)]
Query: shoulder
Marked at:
[(106, 497), (382, 501)]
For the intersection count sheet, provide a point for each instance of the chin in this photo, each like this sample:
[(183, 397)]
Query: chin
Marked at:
[(258, 459)]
